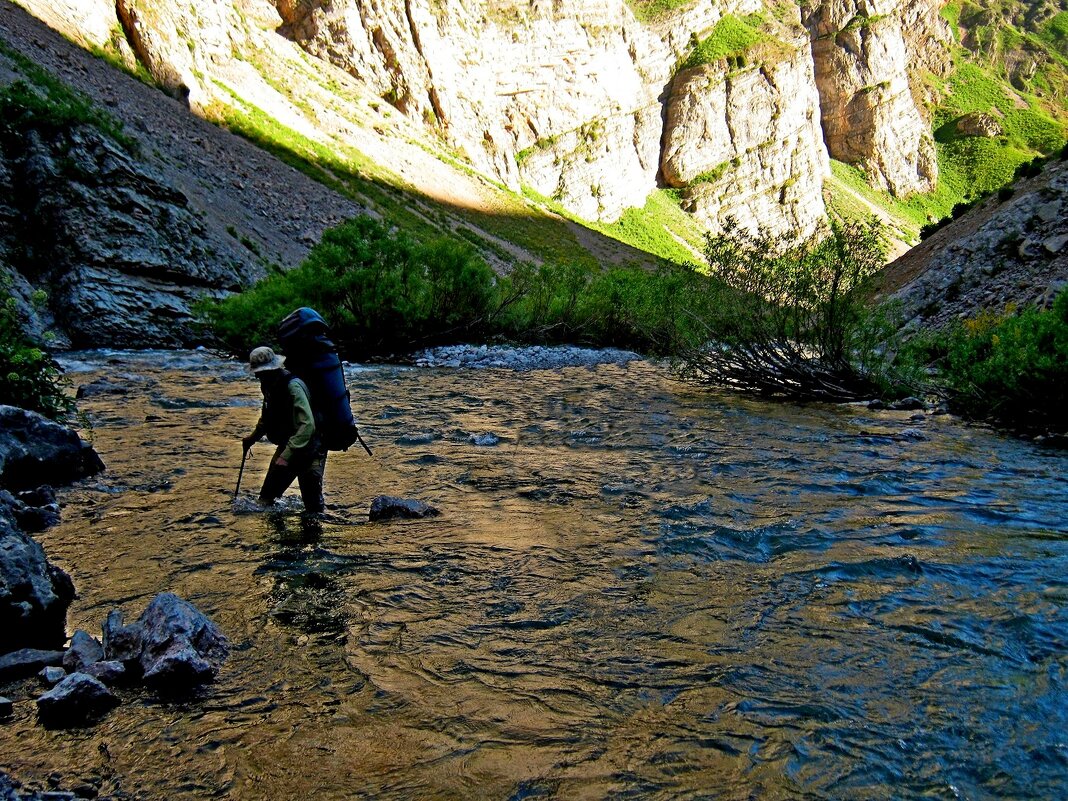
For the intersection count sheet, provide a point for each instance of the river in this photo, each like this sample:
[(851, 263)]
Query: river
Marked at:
[(637, 590)]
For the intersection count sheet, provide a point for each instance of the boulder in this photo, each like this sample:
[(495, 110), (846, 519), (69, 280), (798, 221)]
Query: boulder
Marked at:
[(980, 124), (173, 644), (35, 450), (52, 675), (909, 404), (77, 699), (386, 507), (121, 642), (84, 651), (29, 515), (110, 672), (34, 595), (26, 662), (7, 708)]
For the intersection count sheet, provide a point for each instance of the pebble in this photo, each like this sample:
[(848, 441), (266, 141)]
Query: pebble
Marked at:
[(520, 358)]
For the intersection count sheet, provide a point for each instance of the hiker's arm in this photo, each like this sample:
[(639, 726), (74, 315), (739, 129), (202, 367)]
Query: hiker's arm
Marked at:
[(257, 432), (303, 419)]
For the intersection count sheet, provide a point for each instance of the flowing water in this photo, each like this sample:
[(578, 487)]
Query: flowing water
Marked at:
[(636, 590)]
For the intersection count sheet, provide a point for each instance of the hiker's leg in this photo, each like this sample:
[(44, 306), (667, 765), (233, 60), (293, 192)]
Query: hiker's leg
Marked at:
[(277, 479), (311, 484)]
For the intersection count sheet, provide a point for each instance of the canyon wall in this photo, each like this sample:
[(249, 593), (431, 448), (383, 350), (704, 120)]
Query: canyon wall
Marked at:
[(586, 104)]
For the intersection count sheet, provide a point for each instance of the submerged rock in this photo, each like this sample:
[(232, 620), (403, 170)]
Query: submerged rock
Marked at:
[(173, 644), (386, 507), (100, 386), (77, 699)]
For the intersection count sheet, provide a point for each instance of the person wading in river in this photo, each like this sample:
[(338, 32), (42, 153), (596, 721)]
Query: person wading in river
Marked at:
[(288, 422)]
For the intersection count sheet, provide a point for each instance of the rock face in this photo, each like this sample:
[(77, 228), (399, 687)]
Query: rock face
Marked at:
[(1013, 251), (569, 99), (181, 43), (172, 645), (33, 450), (745, 144), (120, 253), (583, 102), (870, 117), (34, 595)]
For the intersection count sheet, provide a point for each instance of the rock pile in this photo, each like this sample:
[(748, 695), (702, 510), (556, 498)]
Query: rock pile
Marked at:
[(34, 594), (171, 648), (1005, 251)]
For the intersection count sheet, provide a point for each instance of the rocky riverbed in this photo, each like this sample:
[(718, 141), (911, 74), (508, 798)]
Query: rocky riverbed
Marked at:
[(638, 590)]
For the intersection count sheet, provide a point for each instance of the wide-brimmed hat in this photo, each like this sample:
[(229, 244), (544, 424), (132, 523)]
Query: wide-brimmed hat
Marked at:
[(263, 359)]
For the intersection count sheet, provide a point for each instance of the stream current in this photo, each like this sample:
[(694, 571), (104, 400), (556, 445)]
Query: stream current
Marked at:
[(636, 590)]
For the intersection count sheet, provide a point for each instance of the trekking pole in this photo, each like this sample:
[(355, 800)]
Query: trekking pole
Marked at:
[(240, 472), (364, 444)]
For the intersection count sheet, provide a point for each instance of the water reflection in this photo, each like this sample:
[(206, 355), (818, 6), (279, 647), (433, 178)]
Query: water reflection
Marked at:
[(637, 591)]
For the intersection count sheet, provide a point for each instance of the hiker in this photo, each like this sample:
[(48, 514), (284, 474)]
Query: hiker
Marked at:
[(289, 423)]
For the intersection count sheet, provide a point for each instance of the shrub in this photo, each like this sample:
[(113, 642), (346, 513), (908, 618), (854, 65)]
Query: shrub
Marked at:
[(30, 378), (385, 293), (1011, 369), (380, 291), (790, 319), (649, 311)]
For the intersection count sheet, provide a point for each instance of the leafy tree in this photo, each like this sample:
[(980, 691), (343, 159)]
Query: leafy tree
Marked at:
[(790, 319)]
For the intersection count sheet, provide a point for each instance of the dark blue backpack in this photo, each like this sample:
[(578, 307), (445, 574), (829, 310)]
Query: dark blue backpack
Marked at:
[(313, 358)]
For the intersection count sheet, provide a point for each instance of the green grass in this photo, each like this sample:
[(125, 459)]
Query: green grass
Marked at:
[(650, 10), (652, 228), (1056, 31), (969, 167), (951, 14), (730, 37), (43, 101), (657, 228)]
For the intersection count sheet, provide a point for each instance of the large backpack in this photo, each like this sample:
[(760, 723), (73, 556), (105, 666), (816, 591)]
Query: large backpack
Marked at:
[(313, 358)]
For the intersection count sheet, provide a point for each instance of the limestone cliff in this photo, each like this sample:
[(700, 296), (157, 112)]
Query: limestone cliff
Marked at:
[(870, 116), (745, 143), (571, 99), (582, 102)]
